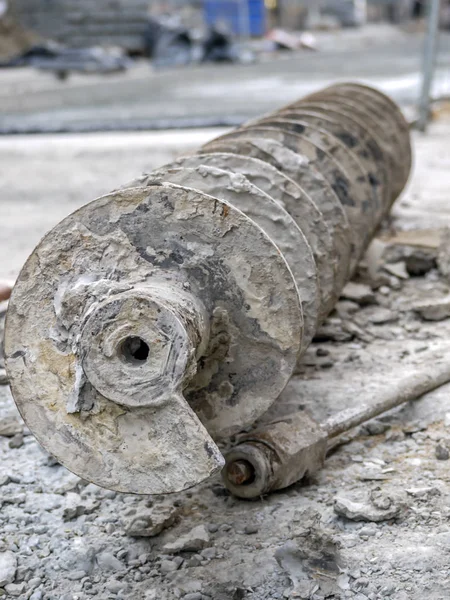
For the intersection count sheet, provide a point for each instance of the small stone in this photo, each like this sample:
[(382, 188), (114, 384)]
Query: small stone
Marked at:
[(441, 452), (110, 528), (34, 582), (380, 316), (343, 581), (364, 511), (16, 441), (108, 562), (332, 330), (76, 507), (193, 596), (346, 308), (395, 436), (360, 293), (209, 553), (15, 589), (398, 269), (195, 561), (10, 426), (152, 522), (380, 500), (322, 352), (115, 586), (251, 529), (168, 566), (194, 541), (376, 427), (8, 567), (367, 531), (326, 364), (414, 427), (434, 310), (80, 558), (68, 483), (395, 283), (76, 575), (422, 492)]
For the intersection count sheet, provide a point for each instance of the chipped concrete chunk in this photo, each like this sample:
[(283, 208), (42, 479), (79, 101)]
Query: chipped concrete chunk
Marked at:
[(358, 292), (152, 521), (8, 567), (10, 426), (398, 269), (194, 541)]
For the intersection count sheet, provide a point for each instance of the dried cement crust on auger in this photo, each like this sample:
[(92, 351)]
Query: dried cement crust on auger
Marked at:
[(268, 214), (385, 141), (303, 170), (382, 163), (337, 207), (295, 199), (357, 139), (358, 204), (119, 269), (236, 181), (392, 121)]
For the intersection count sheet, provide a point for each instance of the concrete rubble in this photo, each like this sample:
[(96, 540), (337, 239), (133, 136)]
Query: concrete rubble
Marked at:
[(365, 510)]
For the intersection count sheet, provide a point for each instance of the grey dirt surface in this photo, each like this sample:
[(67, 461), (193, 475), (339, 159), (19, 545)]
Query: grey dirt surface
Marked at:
[(372, 525)]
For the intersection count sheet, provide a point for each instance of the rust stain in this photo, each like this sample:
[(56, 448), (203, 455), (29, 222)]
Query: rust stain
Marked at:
[(225, 210)]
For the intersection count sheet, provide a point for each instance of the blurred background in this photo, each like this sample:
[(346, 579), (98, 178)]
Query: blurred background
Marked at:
[(150, 64)]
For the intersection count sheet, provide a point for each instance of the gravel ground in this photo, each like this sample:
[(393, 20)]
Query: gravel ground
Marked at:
[(64, 538)]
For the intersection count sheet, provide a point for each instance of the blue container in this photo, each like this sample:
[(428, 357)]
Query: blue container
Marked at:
[(241, 17)]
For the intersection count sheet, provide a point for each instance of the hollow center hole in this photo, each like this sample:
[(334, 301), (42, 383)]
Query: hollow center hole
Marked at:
[(134, 350)]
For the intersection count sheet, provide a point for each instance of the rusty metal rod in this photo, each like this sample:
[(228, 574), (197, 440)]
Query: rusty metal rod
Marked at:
[(281, 453)]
